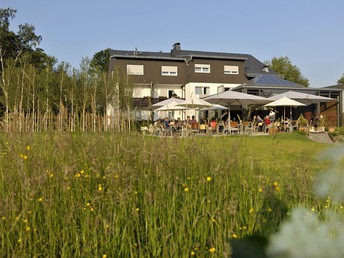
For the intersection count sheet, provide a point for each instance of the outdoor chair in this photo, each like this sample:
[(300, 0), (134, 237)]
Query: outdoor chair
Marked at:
[(166, 131), (203, 129), (234, 128), (247, 127)]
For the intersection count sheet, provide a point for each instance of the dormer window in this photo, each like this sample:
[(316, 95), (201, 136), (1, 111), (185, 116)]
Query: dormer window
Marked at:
[(202, 68), (231, 69)]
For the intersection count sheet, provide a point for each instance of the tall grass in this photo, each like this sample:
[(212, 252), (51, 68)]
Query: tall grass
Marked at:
[(126, 195)]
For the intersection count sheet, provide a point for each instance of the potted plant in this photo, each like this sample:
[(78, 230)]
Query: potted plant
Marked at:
[(303, 122)]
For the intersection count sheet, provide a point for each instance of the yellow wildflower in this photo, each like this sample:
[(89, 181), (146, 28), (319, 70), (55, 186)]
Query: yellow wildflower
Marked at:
[(234, 235), (137, 209), (212, 250), (269, 209), (251, 210), (193, 253), (186, 189), (27, 228), (100, 188), (275, 184), (208, 178), (28, 147), (260, 190)]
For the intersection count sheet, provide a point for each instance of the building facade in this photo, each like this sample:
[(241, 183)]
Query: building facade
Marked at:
[(187, 73), (183, 73)]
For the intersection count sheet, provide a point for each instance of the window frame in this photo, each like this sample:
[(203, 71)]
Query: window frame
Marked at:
[(169, 70), (230, 69), (138, 69), (205, 90), (202, 68)]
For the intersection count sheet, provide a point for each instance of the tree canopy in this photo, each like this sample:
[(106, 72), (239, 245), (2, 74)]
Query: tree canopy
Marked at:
[(341, 80), (23, 44), (284, 66), (100, 60)]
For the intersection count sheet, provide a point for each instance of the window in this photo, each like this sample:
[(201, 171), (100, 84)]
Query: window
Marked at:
[(202, 90), (135, 69), (169, 70), (231, 69), (202, 68)]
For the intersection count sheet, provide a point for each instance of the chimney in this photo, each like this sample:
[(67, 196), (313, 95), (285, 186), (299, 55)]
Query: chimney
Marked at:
[(176, 46), (175, 49)]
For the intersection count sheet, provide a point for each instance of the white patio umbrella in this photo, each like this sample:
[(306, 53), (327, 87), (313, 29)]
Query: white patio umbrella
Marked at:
[(305, 98), (172, 107), (166, 102), (194, 103), (285, 102), (230, 98), (214, 107)]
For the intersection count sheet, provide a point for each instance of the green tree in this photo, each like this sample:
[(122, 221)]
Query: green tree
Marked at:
[(341, 80), (100, 60), (284, 66)]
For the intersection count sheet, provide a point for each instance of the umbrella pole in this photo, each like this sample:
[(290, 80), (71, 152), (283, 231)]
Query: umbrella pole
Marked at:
[(229, 119), (291, 119)]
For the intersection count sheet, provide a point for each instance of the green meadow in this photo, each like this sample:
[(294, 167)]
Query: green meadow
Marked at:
[(130, 195)]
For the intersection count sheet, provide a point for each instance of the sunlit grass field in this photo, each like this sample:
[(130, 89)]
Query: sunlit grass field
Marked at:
[(129, 195)]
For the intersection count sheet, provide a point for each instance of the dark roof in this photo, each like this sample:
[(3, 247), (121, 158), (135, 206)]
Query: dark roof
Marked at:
[(253, 66), (338, 86), (270, 80)]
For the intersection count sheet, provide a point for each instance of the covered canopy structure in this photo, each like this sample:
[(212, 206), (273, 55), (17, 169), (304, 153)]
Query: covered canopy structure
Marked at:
[(305, 98), (285, 102), (230, 98)]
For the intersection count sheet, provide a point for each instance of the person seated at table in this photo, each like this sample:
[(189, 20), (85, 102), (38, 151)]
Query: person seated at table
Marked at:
[(188, 120), (213, 124), (193, 123), (267, 123), (258, 123), (178, 123), (259, 119), (166, 123), (203, 121), (172, 122)]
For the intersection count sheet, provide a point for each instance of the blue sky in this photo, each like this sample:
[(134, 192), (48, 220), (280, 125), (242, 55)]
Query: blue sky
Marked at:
[(309, 32)]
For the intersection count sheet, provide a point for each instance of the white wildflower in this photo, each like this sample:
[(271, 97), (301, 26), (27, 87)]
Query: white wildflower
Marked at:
[(305, 236), (331, 182)]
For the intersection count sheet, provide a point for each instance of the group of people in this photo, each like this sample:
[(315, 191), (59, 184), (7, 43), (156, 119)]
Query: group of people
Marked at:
[(176, 124), (263, 124)]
